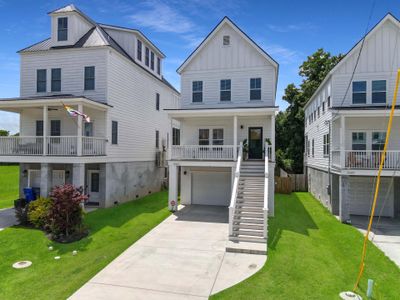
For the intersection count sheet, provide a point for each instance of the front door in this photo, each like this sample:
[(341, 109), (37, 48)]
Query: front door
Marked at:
[(255, 143), (94, 185)]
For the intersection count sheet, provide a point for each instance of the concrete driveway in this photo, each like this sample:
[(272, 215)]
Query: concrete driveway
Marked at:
[(7, 218), (386, 234), (182, 258)]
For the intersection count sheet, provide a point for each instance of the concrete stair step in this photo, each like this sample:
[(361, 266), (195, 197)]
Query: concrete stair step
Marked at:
[(251, 239), (250, 204), (247, 214), (249, 220), (248, 232), (248, 209), (237, 246), (241, 225)]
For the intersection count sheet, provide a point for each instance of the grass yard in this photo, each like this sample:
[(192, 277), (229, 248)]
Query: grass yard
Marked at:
[(313, 256), (111, 232), (9, 184)]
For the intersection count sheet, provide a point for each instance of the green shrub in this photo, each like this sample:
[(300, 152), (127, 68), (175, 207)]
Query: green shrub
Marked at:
[(38, 212)]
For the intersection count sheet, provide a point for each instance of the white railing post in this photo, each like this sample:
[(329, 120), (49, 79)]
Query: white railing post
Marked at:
[(266, 178), (45, 125), (342, 141), (79, 133)]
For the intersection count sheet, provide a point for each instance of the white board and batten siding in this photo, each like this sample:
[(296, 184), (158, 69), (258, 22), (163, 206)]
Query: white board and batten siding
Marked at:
[(132, 93), (239, 62)]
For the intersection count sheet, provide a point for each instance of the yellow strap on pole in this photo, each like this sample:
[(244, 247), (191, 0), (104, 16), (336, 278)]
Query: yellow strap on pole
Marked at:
[(378, 181)]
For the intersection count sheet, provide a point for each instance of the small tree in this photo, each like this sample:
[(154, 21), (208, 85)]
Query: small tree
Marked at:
[(66, 213), (4, 132)]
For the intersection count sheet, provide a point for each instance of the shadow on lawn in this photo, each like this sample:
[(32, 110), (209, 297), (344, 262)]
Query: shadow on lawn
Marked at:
[(290, 215)]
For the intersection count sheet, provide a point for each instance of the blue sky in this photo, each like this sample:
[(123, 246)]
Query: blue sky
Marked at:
[(287, 30)]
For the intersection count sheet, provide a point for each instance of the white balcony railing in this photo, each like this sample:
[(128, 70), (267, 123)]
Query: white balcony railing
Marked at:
[(53, 146), (203, 152), (367, 159)]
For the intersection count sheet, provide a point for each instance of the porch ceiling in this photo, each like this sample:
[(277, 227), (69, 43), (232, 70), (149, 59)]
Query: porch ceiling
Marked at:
[(218, 112)]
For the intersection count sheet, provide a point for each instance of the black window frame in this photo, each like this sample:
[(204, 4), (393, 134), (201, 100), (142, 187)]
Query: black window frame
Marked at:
[(255, 88), (39, 128), (62, 29), (197, 91), (226, 40), (225, 87), (147, 56), (157, 139), (158, 66), (378, 93), (90, 78), (204, 140), (359, 95), (55, 127), (114, 133), (139, 50), (326, 144), (358, 146), (41, 83), (217, 140), (176, 136), (157, 101), (56, 80), (152, 60), (312, 147)]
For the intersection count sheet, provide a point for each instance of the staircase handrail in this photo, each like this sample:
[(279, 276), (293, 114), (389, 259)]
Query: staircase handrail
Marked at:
[(235, 188), (266, 178)]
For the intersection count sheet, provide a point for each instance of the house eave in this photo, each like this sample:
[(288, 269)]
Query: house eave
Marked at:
[(215, 112)]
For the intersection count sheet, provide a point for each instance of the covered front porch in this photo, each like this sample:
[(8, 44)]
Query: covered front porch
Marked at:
[(46, 129)]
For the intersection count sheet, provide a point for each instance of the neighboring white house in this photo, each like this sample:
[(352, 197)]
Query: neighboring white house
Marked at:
[(228, 97), (112, 74), (345, 132)]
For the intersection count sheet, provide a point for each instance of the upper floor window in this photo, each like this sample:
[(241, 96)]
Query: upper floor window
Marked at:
[(359, 92), (197, 91), (378, 91), (326, 145), (114, 132), (88, 129), (218, 136), (176, 136), (226, 40), (312, 148), (378, 140), (204, 136), (157, 101), (157, 139), (152, 61), (62, 29), (225, 93), (323, 107), (359, 141), (56, 80), (139, 50), (158, 66), (255, 89), (319, 112), (41, 79), (39, 128), (55, 128), (89, 78), (329, 101), (147, 57)]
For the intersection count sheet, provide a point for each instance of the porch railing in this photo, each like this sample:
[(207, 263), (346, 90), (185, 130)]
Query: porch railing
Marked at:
[(203, 152), (51, 146), (367, 159), (235, 188)]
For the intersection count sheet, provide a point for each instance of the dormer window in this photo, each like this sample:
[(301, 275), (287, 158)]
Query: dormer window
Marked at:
[(226, 40), (62, 29)]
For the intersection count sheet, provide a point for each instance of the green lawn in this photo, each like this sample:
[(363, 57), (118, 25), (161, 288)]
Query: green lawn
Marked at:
[(111, 232), (8, 185), (313, 256)]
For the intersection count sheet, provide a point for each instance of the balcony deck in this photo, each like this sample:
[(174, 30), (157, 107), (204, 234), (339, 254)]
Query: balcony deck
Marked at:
[(366, 159)]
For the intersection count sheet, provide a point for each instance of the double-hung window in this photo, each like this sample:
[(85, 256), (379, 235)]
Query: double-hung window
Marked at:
[(39, 128), (326, 145), (41, 80), (359, 92), (323, 107), (152, 60), (255, 88), (197, 91), (378, 91), (89, 78), (56, 80), (157, 101), (225, 90), (158, 66), (359, 141), (139, 50), (176, 136), (147, 57), (114, 132), (218, 136), (378, 140), (204, 136), (62, 29)]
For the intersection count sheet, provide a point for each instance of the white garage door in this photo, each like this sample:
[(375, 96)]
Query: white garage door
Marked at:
[(361, 193), (211, 188)]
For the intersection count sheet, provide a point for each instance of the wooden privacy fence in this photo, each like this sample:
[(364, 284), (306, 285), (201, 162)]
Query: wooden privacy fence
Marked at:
[(292, 183)]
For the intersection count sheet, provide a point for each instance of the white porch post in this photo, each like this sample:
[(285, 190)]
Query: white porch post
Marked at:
[(173, 187), (79, 133), (273, 137), (171, 135), (45, 179), (235, 138), (45, 125), (342, 141), (78, 175)]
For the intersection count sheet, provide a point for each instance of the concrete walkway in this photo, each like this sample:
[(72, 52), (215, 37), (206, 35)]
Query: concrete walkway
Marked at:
[(182, 258), (7, 218), (385, 235)]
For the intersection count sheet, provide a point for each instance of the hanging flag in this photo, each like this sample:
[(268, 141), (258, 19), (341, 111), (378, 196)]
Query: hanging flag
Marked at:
[(74, 113)]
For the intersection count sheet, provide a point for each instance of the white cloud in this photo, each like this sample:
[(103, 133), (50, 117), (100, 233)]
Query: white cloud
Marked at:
[(291, 27), (282, 54), (9, 122)]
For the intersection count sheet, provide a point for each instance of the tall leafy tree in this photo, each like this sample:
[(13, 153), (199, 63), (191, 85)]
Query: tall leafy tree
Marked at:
[(4, 132), (290, 123)]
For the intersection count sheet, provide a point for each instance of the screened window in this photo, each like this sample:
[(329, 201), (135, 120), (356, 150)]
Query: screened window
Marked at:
[(56, 80), (359, 92), (39, 128), (197, 91), (41, 80), (114, 132), (157, 101), (62, 29), (225, 87), (218, 136), (157, 139), (152, 60), (379, 91), (55, 128), (89, 78), (226, 40), (176, 136), (147, 57), (326, 145), (158, 66), (204, 136), (139, 50), (255, 89), (378, 140), (359, 141)]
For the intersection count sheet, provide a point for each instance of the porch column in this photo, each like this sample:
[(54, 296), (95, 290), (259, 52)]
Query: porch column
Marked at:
[(173, 187), (342, 141), (235, 138), (45, 125), (45, 180), (79, 133), (170, 142), (273, 137), (344, 201), (78, 175)]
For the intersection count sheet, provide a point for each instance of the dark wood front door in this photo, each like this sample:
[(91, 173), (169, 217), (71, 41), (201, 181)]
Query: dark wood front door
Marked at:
[(255, 143)]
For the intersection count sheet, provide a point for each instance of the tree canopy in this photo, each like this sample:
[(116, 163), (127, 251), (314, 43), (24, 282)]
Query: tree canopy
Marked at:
[(4, 132)]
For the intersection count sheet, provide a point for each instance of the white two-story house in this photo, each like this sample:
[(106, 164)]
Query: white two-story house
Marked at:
[(113, 75), (226, 120), (345, 128)]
